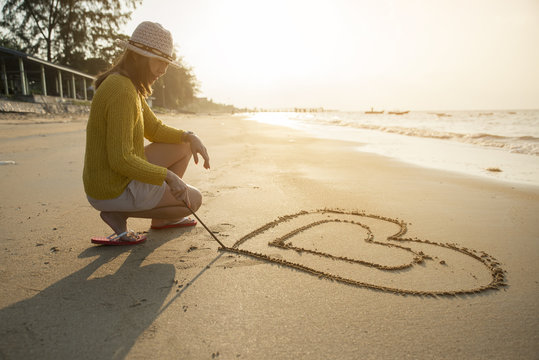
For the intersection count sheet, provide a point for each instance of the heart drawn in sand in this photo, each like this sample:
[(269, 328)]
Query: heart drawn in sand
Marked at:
[(344, 246)]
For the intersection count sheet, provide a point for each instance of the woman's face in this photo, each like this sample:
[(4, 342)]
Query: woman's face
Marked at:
[(157, 68)]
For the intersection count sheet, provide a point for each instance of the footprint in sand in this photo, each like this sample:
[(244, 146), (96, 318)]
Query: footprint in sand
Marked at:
[(222, 229), (370, 251), (208, 194)]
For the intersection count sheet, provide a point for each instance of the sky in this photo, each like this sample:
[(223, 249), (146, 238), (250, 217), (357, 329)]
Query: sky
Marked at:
[(356, 54)]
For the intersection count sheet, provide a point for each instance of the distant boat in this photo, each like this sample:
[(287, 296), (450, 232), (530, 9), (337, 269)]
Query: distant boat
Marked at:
[(441, 114), (398, 112), (374, 112)]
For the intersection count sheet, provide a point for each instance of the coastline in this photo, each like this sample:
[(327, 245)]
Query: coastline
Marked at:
[(416, 146), (178, 296)]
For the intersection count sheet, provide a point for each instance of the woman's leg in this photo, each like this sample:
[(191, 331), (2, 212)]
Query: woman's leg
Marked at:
[(174, 157), (167, 211), (117, 221)]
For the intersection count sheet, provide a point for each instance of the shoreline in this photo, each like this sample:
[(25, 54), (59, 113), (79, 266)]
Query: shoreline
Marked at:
[(440, 154), (178, 296)]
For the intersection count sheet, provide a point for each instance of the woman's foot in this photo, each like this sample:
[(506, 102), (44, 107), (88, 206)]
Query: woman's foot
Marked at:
[(125, 238), (116, 221), (158, 224)]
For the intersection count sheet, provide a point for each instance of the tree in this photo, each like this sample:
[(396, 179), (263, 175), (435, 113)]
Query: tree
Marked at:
[(83, 34), (176, 89), (66, 31)]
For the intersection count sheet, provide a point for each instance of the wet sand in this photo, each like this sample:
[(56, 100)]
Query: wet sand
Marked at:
[(460, 282)]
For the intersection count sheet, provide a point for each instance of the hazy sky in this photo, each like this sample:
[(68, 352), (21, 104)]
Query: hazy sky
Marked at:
[(354, 54)]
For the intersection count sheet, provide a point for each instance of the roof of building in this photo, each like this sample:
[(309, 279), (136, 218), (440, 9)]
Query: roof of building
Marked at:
[(44, 62)]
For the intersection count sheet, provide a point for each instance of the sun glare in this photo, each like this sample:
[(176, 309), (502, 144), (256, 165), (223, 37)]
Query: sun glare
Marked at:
[(352, 54)]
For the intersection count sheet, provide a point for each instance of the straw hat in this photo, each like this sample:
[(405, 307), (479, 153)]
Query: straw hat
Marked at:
[(152, 40)]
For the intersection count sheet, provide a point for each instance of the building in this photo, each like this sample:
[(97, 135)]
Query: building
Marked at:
[(24, 75)]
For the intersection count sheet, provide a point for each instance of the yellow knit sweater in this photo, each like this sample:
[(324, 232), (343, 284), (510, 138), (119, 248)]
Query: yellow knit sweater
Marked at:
[(119, 121)]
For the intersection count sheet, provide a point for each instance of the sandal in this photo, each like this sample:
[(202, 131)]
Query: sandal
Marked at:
[(125, 238)]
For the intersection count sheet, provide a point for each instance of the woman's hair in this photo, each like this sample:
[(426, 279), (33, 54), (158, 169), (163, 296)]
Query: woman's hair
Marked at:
[(134, 66)]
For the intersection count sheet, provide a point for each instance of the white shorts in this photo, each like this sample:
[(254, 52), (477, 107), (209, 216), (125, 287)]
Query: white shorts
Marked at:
[(137, 196)]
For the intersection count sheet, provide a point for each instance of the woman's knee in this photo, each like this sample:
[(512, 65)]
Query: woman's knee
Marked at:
[(195, 198), (167, 155)]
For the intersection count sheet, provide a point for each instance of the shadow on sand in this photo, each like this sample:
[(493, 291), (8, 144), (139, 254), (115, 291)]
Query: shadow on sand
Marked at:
[(81, 317)]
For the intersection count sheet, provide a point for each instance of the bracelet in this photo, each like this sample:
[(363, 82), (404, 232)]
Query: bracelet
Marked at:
[(185, 135)]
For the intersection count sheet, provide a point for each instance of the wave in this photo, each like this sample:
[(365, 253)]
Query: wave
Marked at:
[(530, 138), (516, 144)]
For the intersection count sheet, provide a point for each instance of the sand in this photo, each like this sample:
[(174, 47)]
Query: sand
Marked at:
[(393, 261)]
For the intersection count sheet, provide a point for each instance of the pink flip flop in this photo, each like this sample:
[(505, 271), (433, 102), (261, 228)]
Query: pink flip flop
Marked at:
[(117, 239), (185, 222)]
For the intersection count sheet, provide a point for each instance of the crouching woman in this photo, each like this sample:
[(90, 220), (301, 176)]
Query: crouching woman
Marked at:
[(122, 177)]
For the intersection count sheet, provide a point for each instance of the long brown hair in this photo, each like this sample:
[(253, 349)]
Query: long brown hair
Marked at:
[(134, 66)]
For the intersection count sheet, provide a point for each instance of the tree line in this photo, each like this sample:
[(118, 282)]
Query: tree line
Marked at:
[(83, 34)]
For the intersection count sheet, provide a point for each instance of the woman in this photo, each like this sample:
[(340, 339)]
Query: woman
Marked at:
[(122, 177)]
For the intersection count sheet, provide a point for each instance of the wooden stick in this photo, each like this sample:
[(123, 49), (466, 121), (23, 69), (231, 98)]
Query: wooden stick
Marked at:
[(205, 227)]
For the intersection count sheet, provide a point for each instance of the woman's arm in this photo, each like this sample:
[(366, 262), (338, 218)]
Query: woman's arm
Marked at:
[(156, 131), (197, 147), (125, 140)]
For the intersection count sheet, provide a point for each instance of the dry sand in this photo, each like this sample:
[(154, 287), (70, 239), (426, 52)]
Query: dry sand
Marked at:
[(178, 297)]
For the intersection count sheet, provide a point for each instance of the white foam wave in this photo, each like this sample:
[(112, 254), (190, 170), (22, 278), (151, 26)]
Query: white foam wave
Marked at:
[(516, 144)]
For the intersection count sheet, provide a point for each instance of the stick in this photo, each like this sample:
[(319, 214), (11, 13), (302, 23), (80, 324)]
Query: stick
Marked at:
[(205, 227)]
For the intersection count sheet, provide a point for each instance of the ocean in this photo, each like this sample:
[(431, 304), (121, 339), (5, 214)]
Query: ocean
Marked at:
[(500, 145)]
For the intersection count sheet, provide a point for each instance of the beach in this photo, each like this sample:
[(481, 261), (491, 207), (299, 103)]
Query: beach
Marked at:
[(379, 259)]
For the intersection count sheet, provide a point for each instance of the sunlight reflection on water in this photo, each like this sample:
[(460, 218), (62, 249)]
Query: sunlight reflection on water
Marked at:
[(442, 154)]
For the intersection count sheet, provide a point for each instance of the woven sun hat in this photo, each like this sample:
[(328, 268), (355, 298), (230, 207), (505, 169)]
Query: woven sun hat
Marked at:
[(152, 40)]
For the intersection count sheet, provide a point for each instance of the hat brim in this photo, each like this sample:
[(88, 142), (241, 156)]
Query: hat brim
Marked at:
[(125, 45)]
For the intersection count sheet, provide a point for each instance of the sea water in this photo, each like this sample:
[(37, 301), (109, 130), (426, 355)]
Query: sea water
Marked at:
[(502, 145)]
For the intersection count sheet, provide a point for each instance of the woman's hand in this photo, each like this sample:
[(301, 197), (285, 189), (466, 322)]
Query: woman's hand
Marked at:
[(178, 188), (198, 148)]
